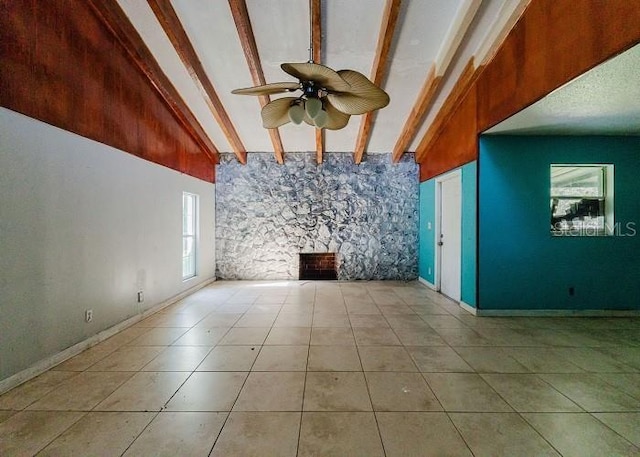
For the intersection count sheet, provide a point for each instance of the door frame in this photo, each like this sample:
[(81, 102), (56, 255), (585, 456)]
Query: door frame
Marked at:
[(457, 173)]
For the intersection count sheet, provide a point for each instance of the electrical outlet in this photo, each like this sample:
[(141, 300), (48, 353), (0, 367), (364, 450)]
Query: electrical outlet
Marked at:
[(429, 270), (88, 315), (140, 296)]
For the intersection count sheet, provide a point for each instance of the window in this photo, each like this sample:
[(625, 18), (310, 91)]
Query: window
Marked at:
[(189, 234), (581, 200)]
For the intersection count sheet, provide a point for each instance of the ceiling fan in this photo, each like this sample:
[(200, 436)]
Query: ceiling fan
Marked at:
[(329, 98)]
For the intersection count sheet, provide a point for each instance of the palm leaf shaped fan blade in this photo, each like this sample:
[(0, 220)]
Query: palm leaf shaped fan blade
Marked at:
[(268, 89), (320, 75), (362, 97), (276, 113)]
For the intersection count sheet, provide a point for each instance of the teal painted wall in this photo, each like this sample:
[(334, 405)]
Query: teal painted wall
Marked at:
[(426, 240), (521, 266), (427, 252)]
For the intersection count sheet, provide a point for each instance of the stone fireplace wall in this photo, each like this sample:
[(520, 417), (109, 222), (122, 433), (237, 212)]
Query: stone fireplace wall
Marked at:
[(266, 214)]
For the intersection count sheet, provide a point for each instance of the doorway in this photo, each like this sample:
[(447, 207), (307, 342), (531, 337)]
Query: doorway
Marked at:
[(449, 234)]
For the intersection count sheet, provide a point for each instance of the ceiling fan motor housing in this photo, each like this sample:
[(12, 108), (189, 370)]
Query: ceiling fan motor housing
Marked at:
[(310, 89)]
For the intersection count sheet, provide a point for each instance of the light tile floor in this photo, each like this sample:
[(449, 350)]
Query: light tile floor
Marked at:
[(336, 369)]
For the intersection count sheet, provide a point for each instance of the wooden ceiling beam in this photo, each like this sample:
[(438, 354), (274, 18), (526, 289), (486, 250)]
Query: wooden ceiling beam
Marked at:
[(416, 115), (506, 20), (172, 26), (112, 15), (462, 86), (319, 145), (435, 77), (508, 16), (378, 71), (316, 42), (248, 41)]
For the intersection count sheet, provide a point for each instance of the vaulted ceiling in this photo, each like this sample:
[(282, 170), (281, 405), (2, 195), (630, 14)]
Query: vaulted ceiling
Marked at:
[(414, 49)]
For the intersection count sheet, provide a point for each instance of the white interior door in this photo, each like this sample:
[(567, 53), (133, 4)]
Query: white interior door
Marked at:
[(450, 236)]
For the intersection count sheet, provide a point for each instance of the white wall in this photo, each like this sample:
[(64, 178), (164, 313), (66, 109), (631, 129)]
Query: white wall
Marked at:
[(84, 225)]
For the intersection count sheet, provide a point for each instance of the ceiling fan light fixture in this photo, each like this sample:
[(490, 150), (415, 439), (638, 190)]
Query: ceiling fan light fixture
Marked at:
[(321, 118), (296, 113), (313, 106)]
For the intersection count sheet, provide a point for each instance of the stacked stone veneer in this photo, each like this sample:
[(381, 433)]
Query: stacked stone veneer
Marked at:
[(266, 214)]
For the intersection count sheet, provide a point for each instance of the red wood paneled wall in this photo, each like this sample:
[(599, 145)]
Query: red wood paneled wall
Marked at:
[(552, 43), (456, 142), (62, 65)]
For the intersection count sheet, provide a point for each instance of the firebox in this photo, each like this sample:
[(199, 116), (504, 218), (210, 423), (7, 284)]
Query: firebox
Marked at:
[(318, 266)]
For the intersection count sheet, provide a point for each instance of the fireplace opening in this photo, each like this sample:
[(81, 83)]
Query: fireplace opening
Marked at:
[(318, 266)]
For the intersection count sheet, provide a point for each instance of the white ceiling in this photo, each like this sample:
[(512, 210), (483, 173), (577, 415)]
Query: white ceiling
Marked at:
[(603, 101), (427, 32)]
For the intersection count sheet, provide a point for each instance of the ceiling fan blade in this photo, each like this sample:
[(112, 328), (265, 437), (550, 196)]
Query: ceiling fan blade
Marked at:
[(276, 113), (364, 96), (323, 76), (336, 119), (268, 89)]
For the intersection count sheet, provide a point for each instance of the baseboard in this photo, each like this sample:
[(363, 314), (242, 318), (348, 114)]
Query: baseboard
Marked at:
[(556, 313), (56, 359), (427, 283), (538, 312), (470, 309)]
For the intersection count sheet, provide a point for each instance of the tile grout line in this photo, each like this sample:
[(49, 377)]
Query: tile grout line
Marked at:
[(458, 432), (366, 383), (304, 384), (63, 431), (141, 432)]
